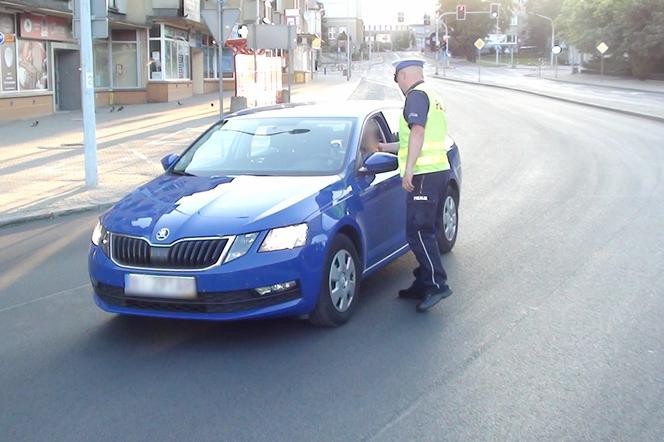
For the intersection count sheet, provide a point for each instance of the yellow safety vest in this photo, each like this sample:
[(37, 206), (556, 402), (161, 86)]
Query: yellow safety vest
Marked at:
[(433, 157)]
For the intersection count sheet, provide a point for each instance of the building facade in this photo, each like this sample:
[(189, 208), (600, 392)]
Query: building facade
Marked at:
[(156, 51)]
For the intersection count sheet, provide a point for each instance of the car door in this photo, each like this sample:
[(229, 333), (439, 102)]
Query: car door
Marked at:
[(383, 214)]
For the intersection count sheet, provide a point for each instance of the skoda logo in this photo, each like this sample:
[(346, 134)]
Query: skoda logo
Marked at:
[(163, 233)]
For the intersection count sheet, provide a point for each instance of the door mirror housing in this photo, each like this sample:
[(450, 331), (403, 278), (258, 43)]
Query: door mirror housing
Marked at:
[(379, 162), (169, 160)]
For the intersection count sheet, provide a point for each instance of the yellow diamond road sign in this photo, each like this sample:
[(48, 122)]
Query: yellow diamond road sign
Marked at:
[(602, 47), (479, 43)]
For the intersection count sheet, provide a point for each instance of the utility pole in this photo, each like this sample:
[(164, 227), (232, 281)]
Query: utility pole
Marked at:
[(290, 61), (220, 55), (88, 94), (349, 56), (553, 34), (437, 41)]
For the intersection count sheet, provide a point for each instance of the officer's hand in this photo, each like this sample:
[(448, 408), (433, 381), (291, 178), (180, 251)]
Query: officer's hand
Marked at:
[(407, 182)]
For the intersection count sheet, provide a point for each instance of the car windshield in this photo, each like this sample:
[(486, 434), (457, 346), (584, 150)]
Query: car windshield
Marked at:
[(269, 146)]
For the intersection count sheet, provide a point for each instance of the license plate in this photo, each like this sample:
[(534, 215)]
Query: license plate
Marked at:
[(155, 286)]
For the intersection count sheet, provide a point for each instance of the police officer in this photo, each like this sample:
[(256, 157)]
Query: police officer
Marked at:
[(425, 172)]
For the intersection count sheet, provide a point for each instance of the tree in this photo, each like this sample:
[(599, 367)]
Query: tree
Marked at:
[(463, 33), (538, 32), (632, 27)]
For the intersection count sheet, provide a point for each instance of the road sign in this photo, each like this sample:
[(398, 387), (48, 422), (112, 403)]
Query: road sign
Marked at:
[(271, 37), (556, 50), (2, 38), (602, 48), (479, 44), (210, 18)]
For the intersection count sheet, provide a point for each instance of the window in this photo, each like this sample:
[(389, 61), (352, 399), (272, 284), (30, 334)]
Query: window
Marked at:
[(371, 136), (8, 55), (210, 62), (514, 21), (32, 65), (102, 63), (511, 38), (270, 146), (116, 60), (7, 23), (169, 53), (331, 33)]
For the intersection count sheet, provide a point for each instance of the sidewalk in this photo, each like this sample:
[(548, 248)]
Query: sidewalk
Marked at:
[(565, 75), (42, 162), (625, 95)]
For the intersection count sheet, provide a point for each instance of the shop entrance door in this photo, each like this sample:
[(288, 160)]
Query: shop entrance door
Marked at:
[(67, 79)]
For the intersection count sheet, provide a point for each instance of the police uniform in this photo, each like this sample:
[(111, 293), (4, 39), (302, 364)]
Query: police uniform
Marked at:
[(431, 175)]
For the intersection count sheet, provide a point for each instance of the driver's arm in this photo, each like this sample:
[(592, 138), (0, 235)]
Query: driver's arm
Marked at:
[(388, 147)]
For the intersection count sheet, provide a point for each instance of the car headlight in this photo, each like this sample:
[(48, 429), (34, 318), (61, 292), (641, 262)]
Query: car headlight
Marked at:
[(100, 237), (241, 246), (285, 238)]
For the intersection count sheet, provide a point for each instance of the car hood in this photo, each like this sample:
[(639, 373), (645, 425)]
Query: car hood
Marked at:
[(198, 206)]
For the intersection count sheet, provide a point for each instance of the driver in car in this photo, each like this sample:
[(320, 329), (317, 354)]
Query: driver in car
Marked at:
[(370, 140)]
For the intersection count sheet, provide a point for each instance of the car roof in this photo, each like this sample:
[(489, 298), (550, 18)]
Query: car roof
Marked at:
[(341, 109)]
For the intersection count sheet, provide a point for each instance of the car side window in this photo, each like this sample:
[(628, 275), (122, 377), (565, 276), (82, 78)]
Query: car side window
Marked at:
[(392, 117), (372, 134)]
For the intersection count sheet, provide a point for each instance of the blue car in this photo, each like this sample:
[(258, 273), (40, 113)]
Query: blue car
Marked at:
[(278, 211)]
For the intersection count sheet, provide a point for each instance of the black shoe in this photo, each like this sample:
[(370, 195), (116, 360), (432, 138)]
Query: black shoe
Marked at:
[(433, 297), (415, 291)]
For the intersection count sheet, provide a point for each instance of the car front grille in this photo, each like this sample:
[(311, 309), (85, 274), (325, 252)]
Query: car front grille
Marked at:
[(205, 302), (191, 254)]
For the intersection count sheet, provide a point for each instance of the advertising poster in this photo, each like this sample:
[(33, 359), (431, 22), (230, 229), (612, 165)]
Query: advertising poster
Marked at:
[(45, 27), (8, 63), (32, 65)]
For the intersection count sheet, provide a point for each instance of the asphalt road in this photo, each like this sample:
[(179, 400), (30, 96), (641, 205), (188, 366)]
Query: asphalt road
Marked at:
[(554, 331)]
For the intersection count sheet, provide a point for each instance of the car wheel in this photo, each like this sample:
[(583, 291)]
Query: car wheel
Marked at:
[(448, 220), (341, 284)]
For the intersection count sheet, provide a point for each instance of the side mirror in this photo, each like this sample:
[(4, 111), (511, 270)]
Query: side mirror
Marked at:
[(169, 160), (379, 162)]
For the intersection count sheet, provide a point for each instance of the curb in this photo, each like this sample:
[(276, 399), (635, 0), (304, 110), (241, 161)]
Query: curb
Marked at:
[(51, 214), (567, 100)]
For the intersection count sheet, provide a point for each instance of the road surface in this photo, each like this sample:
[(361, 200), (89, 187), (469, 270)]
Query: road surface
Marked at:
[(554, 331)]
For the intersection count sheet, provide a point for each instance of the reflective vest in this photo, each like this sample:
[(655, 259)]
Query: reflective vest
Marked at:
[(433, 157)]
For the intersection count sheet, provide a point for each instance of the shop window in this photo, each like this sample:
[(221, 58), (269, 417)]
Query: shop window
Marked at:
[(155, 31), (102, 63), (125, 65), (116, 60), (169, 54), (8, 55), (210, 62), (7, 23), (32, 65)]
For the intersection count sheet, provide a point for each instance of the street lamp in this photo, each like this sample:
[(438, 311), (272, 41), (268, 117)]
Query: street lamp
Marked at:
[(553, 34)]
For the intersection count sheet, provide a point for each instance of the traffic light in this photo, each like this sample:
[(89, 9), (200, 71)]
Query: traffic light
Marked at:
[(461, 12), (493, 11), (400, 17), (427, 20)]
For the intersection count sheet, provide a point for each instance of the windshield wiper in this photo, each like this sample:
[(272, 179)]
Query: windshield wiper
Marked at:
[(290, 132)]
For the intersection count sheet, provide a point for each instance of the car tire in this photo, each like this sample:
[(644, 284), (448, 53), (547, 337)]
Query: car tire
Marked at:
[(447, 226), (340, 287)]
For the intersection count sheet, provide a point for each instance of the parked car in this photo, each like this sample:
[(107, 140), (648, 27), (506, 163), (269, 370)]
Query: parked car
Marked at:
[(272, 213)]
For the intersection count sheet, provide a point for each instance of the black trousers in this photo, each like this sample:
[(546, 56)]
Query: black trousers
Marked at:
[(422, 210)]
